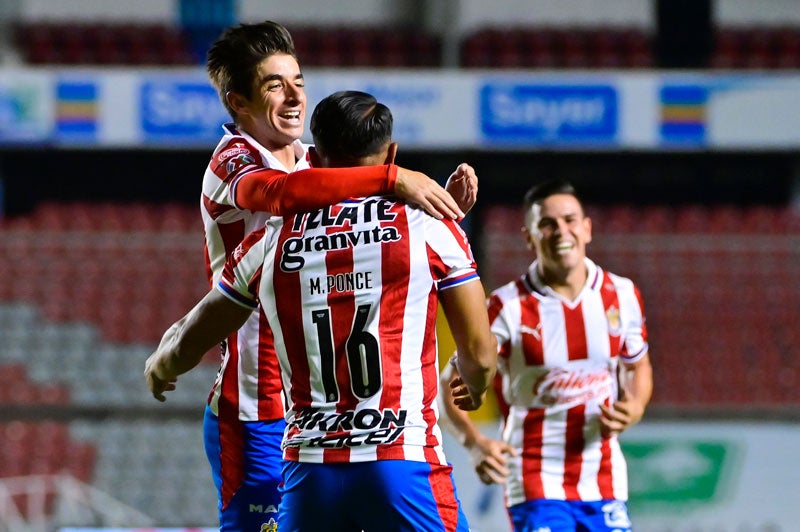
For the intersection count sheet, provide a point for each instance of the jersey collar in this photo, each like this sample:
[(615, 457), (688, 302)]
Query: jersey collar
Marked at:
[(300, 150), (534, 282)]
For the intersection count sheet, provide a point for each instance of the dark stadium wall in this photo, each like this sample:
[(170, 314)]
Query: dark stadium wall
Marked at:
[(741, 178)]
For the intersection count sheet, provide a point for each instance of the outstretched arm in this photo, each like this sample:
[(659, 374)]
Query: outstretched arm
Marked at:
[(187, 340), (280, 193)]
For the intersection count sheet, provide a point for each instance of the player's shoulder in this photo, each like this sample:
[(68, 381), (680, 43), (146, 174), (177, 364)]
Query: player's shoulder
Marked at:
[(235, 152), (619, 283)]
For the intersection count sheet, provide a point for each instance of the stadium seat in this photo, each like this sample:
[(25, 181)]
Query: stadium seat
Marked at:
[(366, 47), (692, 219), (756, 48), (545, 47), (80, 43), (618, 219)]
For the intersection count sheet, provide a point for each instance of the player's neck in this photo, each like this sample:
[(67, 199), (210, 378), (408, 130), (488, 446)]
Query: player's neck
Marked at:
[(286, 156), (566, 283)]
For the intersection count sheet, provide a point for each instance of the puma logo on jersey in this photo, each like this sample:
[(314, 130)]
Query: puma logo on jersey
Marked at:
[(535, 332)]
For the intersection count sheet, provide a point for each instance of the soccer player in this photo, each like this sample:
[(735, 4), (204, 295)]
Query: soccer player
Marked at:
[(255, 70), (575, 372), (350, 293)]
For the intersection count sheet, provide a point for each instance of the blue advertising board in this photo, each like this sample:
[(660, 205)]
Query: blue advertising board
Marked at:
[(523, 113), (180, 112)]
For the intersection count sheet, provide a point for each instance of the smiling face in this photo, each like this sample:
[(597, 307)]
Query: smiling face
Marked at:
[(275, 113), (558, 230)]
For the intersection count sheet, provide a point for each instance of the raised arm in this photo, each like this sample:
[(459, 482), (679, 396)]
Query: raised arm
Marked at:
[(463, 186), (187, 340), (280, 193)]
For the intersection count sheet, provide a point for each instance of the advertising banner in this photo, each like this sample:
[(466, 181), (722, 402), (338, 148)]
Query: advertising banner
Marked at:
[(430, 110), (433, 109), (176, 111), (26, 107), (532, 113), (683, 477)]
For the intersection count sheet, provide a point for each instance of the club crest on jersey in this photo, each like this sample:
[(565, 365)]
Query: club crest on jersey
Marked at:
[(269, 526), (614, 323)]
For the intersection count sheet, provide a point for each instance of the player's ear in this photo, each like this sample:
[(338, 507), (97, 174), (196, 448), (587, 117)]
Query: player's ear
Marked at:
[(588, 224), (391, 153), (526, 235), (236, 101), (314, 158)]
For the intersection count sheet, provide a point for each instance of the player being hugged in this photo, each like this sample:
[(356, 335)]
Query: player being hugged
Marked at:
[(351, 293)]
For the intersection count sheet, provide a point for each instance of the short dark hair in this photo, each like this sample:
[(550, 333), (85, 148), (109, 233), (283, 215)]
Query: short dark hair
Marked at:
[(233, 59), (349, 125), (538, 192)]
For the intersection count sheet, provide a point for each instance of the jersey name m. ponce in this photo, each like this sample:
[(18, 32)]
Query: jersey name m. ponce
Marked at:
[(350, 293)]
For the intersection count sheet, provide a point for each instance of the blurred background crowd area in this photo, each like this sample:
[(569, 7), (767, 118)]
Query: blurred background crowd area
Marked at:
[(102, 248), (579, 34)]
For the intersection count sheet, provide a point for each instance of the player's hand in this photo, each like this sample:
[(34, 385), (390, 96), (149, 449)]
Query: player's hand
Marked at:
[(157, 385), (463, 186), (490, 458), (463, 398), (625, 413), (419, 189)]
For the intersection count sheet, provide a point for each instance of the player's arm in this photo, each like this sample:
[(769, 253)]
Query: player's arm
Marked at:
[(465, 309), (636, 388), (280, 193), (489, 456), (186, 342), (635, 376)]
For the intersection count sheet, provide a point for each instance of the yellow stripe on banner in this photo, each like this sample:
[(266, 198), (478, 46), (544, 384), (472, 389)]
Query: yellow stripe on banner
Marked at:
[(76, 109), (447, 346), (683, 113)]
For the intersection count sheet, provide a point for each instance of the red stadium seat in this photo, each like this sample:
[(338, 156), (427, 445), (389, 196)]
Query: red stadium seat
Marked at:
[(118, 43), (556, 48)]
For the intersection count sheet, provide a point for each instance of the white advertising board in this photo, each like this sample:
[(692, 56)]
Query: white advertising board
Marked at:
[(683, 477), (433, 109)]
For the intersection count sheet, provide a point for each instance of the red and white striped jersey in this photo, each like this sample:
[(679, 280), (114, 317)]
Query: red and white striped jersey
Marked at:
[(350, 293), (241, 383), (557, 363), (243, 183)]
